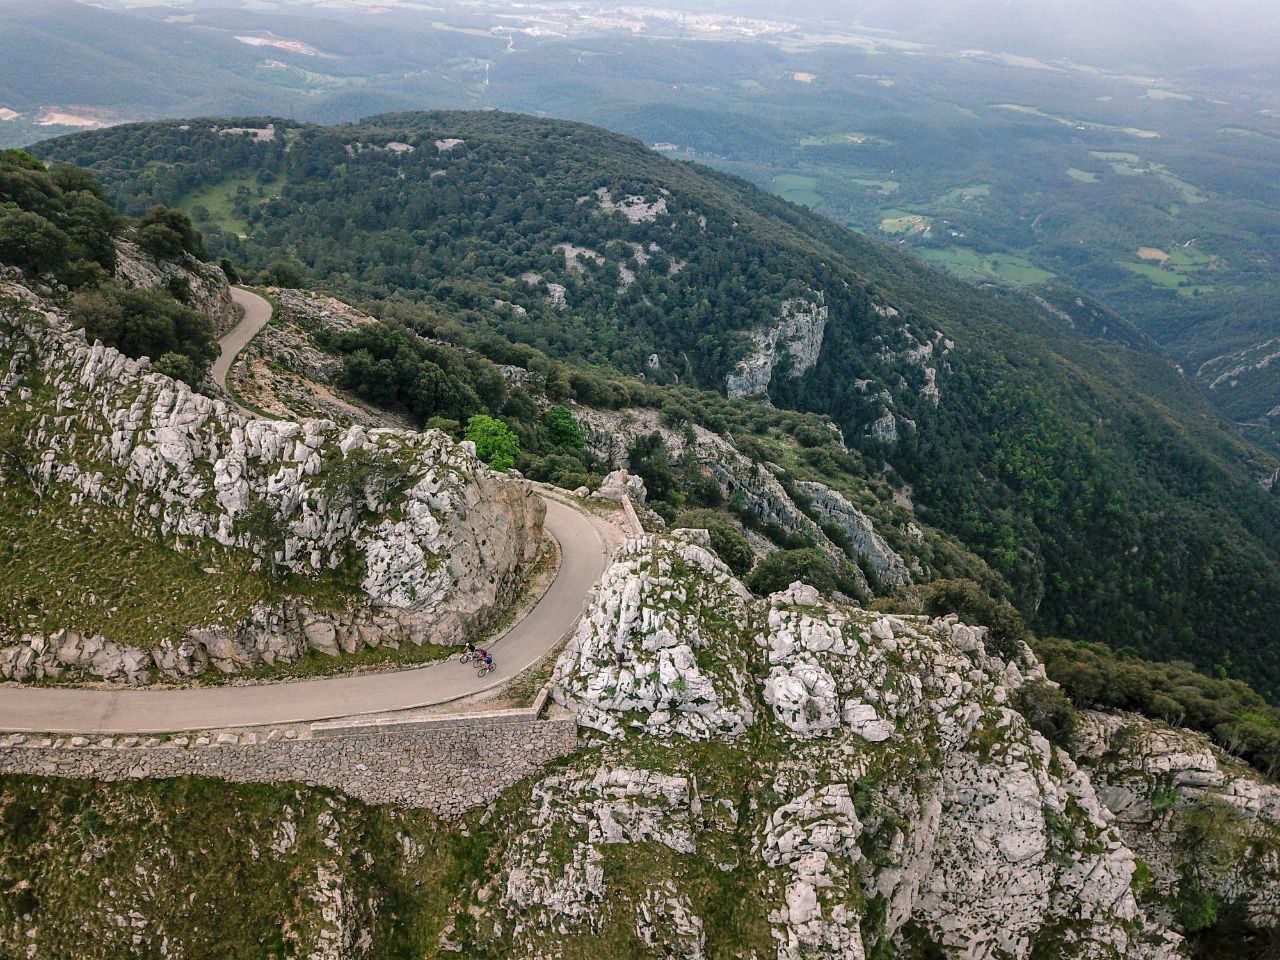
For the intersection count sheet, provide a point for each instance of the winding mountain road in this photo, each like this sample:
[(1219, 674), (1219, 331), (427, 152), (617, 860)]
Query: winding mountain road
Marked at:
[(257, 314), (91, 711), (583, 558)]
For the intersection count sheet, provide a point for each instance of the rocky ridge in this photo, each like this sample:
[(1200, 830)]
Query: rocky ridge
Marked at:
[(205, 285), (857, 785), (438, 542), (286, 373), (609, 435), (1206, 825)]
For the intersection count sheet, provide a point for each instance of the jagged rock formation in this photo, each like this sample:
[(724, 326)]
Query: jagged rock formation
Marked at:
[(609, 435), (1207, 826), (413, 538), (834, 509), (795, 338), (856, 784)]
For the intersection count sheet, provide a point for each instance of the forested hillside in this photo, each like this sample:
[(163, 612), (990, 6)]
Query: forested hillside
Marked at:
[(1093, 479)]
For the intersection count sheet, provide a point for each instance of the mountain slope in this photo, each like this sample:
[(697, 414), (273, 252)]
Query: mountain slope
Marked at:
[(777, 777), (1093, 479)]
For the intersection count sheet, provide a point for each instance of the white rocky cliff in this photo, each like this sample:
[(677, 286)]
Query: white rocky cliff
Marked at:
[(795, 337), (856, 785), (436, 542)]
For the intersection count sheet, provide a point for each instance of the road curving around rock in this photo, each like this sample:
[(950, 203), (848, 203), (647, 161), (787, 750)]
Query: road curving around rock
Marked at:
[(584, 556), (257, 314)]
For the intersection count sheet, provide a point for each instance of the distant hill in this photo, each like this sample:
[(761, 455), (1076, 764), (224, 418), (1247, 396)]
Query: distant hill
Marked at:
[(120, 61)]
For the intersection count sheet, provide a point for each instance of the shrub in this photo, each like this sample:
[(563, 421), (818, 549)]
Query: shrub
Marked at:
[(782, 568), (146, 323), (495, 444), (29, 241), (282, 273), (726, 539), (1006, 630), (1049, 712), (559, 428), (168, 234), (1195, 907)]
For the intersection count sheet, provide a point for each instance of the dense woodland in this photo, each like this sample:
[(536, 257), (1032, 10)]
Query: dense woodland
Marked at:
[(56, 227)]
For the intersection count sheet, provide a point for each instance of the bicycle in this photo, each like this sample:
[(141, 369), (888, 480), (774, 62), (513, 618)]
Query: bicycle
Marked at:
[(486, 668), (469, 655)]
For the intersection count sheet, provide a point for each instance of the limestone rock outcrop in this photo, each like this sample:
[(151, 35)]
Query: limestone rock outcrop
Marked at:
[(205, 285), (859, 780), (1206, 825), (609, 436), (434, 541), (794, 338)]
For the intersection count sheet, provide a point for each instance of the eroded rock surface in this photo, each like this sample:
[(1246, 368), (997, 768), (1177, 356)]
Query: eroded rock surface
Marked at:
[(438, 541), (795, 337), (860, 781)]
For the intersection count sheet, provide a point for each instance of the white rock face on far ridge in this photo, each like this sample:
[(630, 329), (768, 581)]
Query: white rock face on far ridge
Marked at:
[(796, 334)]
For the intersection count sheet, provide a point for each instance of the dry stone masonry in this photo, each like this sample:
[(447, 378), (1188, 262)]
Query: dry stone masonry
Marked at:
[(434, 765)]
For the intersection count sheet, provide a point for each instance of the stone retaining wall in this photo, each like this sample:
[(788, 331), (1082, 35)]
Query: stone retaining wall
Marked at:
[(448, 765)]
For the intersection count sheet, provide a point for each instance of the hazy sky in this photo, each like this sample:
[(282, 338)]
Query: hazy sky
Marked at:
[(1170, 33)]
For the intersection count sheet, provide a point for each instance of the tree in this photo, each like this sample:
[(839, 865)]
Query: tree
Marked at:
[(782, 568), (726, 539), (1006, 630), (21, 159), (30, 241), (146, 323), (282, 273), (166, 234), (495, 444), (559, 428)]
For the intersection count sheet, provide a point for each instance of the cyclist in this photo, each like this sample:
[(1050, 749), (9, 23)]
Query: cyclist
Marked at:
[(486, 661)]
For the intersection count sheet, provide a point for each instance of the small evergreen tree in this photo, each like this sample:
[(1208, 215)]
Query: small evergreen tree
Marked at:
[(495, 444), (559, 428)]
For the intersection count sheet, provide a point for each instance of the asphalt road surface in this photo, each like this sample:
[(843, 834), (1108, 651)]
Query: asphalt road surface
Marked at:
[(88, 711), (257, 314)]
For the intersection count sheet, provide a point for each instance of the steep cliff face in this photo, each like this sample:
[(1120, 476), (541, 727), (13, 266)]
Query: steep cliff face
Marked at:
[(1206, 826), (353, 537), (609, 435), (794, 339), (790, 778), (204, 286)]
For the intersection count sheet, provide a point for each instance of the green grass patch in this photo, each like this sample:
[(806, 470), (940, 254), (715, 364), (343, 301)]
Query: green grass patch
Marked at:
[(219, 200), (63, 565), (853, 139), (1130, 165), (1180, 273), (903, 222), (798, 189), (76, 854), (970, 265), (959, 195), (1084, 176), (1157, 275), (884, 187)]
